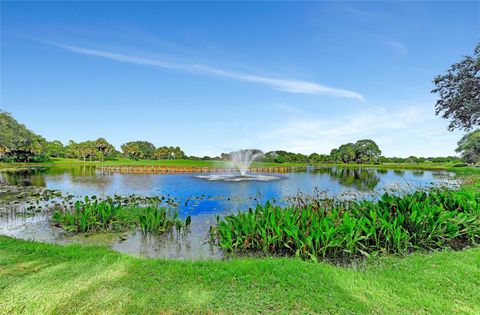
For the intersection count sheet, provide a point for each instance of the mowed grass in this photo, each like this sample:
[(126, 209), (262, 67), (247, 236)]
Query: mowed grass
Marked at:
[(37, 278), (453, 167), (128, 162)]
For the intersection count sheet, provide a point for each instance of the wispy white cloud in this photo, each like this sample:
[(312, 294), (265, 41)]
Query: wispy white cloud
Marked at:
[(359, 12), (398, 46), (409, 130), (287, 85)]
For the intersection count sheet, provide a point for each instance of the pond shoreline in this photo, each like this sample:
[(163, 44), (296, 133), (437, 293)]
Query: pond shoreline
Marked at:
[(163, 169)]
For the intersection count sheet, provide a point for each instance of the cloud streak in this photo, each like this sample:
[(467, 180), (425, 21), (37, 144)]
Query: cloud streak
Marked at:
[(398, 46), (393, 130), (286, 85)]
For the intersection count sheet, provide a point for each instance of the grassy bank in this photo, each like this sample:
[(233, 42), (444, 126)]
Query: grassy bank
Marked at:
[(128, 162), (453, 167), (41, 278)]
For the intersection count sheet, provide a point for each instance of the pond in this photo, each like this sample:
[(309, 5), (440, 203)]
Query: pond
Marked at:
[(195, 195)]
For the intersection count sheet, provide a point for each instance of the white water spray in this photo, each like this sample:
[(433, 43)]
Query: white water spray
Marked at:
[(243, 159)]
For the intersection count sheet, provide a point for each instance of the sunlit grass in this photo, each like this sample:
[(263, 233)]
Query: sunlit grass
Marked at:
[(39, 278)]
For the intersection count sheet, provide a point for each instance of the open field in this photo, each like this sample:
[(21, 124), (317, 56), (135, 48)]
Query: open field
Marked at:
[(43, 278)]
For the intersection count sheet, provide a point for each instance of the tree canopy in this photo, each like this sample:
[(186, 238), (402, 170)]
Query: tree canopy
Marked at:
[(469, 147), (363, 151), (459, 93), (97, 150), (17, 143), (138, 150)]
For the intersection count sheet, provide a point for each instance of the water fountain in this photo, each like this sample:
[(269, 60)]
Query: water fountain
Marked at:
[(242, 160)]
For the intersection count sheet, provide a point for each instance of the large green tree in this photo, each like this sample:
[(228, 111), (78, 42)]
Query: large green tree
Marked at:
[(459, 93), (366, 151), (346, 152), (168, 153), (469, 147), (55, 149), (17, 143), (104, 149), (138, 150)]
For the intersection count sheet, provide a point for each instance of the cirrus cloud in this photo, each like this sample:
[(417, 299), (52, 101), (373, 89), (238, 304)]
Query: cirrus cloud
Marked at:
[(286, 85)]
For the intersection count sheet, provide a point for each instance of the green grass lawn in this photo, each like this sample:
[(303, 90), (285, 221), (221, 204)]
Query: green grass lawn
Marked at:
[(124, 162), (40, 278), (213, 163)]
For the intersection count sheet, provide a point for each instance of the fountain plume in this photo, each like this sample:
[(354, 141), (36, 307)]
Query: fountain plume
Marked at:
[(243, 159)]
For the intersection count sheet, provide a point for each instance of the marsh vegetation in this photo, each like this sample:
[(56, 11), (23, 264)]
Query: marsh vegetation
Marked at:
[(325, 228), (92, 215)]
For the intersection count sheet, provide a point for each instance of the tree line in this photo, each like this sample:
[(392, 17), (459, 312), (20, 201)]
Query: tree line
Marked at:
[(361, 152), (19, 144)]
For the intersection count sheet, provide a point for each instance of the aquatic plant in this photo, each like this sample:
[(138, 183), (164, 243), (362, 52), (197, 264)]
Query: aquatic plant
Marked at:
[(160, 220), (391, 224), (115, 214), (90, 215)]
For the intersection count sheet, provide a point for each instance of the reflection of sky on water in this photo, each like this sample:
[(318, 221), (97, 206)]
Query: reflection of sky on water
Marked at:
[(202, 199), (196, 195)]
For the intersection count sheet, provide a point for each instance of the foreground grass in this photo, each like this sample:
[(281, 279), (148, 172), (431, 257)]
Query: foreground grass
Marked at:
[(41, 278)]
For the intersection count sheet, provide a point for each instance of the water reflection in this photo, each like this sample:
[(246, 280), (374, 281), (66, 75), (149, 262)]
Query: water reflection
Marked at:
[(24, 177), (201, 199), (86, 180), (361, 179)]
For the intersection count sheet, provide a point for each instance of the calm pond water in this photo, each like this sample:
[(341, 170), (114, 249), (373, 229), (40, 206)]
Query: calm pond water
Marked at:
[(198, 197)]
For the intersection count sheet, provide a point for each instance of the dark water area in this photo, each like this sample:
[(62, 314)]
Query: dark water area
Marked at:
[(198, 197)]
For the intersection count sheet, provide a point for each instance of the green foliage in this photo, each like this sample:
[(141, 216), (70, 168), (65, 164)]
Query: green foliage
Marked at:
[(17, 143), (346, 153), (459, 93), (97, 150), (138, 150), (363, 151), (281, 156), (323, 228), (104, 149), (158, 220), (90, 216), (168, 153), (366, 151), (469, 146), (111, 214), (55, 149)]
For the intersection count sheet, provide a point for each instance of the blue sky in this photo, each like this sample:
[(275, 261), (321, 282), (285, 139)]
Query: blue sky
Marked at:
[(213, 77)]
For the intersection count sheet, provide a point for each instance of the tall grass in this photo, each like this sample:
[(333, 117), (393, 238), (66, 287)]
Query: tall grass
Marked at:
[(392, 224)]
